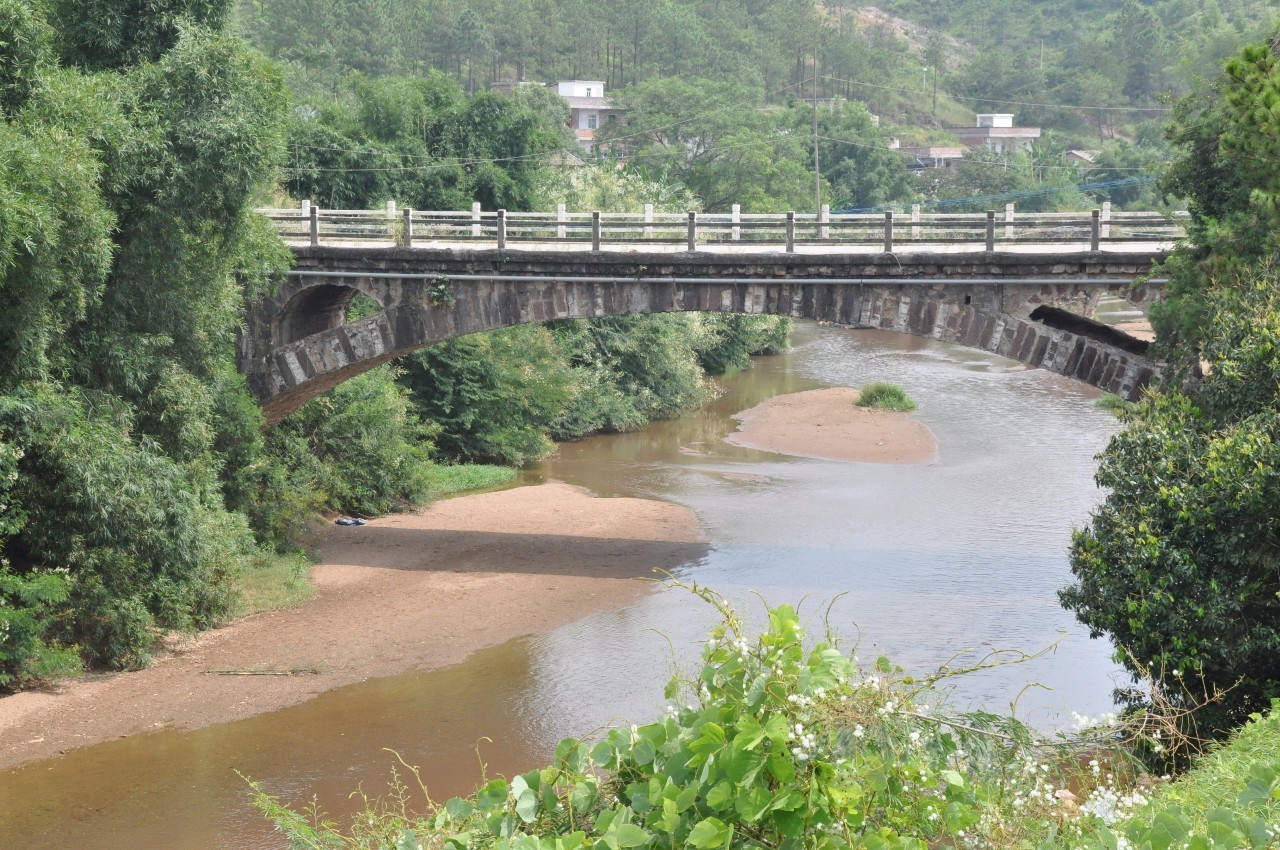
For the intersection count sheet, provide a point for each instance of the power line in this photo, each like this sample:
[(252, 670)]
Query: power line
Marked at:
[(1002, 102), (1010, 196), (971, 161)]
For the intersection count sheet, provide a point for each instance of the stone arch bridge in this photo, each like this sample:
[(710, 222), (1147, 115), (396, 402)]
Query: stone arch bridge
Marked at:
[(1032, 307)]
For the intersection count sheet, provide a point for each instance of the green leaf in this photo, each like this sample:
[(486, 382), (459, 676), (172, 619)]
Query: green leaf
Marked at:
[(643, 752), (584, 795), (953, 778), (742, 765), (776, 729), (527, 805), (781, 768), (750, 733), (458, 808), (753, 805), (720, 796), (790, 824), (708, 833), (630, 835)]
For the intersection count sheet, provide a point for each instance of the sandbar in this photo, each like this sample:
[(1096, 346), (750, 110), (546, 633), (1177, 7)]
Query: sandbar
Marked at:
[(826, 424)]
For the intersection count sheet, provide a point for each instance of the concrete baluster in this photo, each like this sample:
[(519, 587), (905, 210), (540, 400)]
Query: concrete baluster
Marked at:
[(888, 231), (824, 216), (502, 229), (475, 219), (595, 230), (991, 230), (406, 231), (1106, 219), (693, 231), (648, 221), (561, 218), (791, 232), (915, 221), (313, 215), (391, 217), (1095, 229), (735, 216), (1008, 221)]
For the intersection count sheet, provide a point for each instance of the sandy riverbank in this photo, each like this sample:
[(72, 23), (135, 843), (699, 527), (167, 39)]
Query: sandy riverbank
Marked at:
[(410, 591), (827, 424), (426, 590)]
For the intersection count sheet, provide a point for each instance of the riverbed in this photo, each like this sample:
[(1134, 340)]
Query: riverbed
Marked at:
[(964, 552)]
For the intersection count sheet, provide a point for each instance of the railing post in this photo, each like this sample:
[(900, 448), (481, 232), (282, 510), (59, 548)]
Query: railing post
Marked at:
[(475, 219), (888, 231), (1106, 219), (915, 221), (406, 231), (648, 221), (1008, 221), (824, 216), (561, 218), (391, 217), (1095, 229), (735, 216), (693, 230), (502, 229), (791, 232), (313, 216), (595, 230), (991, 230)]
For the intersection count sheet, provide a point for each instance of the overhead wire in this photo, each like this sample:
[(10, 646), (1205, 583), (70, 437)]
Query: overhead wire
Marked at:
[(1009, 196), (993, 100)]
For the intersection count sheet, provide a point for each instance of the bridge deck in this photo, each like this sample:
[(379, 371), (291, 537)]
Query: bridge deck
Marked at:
[(758, 248)]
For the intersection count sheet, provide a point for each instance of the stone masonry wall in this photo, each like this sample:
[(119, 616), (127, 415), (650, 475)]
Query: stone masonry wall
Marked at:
[(296, 346)]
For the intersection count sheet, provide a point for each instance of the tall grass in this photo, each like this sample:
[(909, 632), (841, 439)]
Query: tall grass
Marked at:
[(451, 480), (270, 581), (882, 395)]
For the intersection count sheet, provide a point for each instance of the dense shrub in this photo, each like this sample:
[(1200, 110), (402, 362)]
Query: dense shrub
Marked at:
[(778, 742), (491, 395), (359, 448), (142, 545)]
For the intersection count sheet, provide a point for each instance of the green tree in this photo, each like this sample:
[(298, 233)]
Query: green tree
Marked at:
[(1224, 164), (856, 160), (100, 34), (1181, 564)]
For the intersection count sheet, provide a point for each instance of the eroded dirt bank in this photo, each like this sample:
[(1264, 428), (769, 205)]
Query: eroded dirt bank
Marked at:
[(407, 591), (827, 424)]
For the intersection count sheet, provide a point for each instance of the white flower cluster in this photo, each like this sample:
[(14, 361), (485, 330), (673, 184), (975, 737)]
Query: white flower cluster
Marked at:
[(805, 742), (1110, 805), (1082, 722)]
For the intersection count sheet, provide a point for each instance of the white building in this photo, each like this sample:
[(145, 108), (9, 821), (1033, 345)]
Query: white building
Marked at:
[(589, 110), (995, 130)]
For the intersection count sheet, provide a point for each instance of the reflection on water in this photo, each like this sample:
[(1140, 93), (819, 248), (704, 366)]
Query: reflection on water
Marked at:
[(964, 553)]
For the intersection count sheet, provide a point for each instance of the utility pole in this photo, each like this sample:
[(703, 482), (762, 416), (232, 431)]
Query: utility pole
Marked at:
[(817, 173)]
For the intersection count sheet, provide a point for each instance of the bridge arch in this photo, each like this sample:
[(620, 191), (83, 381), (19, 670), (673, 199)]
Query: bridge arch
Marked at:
[(297, 344)]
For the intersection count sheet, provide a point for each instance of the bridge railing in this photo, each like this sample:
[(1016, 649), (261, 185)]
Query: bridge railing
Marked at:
[(887, 231)]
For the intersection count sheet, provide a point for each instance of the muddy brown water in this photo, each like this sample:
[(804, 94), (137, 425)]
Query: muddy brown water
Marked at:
[(964, 553)]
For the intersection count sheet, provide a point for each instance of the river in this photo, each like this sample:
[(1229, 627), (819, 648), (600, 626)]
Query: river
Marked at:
[(922, 562)]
